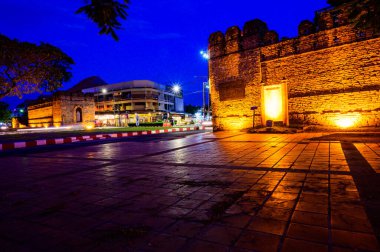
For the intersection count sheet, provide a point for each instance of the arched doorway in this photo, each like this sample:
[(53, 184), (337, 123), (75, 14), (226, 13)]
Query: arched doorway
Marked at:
[(78, 115)]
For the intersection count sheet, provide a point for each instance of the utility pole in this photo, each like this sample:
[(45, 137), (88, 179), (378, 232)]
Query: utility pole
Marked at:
[(203, 101), (208, 100)]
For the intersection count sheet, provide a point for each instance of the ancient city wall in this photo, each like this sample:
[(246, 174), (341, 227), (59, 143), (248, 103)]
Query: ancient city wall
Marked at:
[(40, 115), (337, 67), (60, 111), (330, 74), (329, 82), (67, 105)]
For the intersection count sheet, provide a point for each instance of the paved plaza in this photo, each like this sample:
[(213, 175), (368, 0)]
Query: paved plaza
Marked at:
[(223, 191)]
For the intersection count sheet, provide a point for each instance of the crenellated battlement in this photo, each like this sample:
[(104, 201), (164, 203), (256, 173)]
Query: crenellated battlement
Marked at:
[(327, 75), (331, 28)]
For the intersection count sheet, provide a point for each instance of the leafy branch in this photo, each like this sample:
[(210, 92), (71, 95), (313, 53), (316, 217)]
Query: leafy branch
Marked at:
[(106, 14)]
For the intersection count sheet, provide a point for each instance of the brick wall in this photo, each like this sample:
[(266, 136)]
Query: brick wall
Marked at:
[(68, 104), (61, 109), (329, 74), (40, 115)]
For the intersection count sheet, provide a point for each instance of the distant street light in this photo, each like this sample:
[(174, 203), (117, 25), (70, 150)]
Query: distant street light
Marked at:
[(205, 55), (104, 90), (176, 89)]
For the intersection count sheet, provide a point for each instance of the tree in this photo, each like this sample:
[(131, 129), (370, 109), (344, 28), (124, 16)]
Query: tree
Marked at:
[(191, 109), (5, 113), (106, 14), (27, 68), (21, 112), (364, 13)]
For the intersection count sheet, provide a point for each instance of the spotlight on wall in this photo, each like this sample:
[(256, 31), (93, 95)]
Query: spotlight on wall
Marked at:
[(346, 121)]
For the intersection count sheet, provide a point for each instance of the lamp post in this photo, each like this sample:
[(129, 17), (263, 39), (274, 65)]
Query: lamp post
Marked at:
[(205, 100), (206, 56), (254, 115), (176, 89), (104, 92)]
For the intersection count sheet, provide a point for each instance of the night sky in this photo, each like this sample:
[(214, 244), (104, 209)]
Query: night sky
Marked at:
[(160, 41)]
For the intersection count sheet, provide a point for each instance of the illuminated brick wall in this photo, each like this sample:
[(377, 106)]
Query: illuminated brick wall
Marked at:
[(331, 75), (40, 115), (60, 111)]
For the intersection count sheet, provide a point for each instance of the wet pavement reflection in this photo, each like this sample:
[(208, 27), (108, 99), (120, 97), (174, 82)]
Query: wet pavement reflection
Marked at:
[(223, 191)]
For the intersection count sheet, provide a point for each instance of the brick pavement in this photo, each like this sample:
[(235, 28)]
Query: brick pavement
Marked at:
[(207, 192)]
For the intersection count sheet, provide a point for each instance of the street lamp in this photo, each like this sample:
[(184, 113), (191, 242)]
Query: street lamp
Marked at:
[(176, 89), (205, 87), (104, 92), (205, 55)]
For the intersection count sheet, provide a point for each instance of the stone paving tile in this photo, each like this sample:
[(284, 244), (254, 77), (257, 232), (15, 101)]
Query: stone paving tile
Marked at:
[(371, 152), (308, 233), (184, 228), (291, 245), (357, 241), (256, 241), (199, 245), (248, 193), (220, 234), (310, 218), (270, 226)]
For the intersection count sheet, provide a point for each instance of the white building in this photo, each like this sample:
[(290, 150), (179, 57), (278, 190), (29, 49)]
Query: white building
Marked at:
[(120, 101)]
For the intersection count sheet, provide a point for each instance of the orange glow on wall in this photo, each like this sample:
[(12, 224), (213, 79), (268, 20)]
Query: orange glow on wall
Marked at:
[(89, 127), (236, 125), (346, 121), (275, 103)]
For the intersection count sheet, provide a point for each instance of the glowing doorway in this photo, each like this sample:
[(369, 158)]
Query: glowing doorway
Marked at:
[(275, 101)]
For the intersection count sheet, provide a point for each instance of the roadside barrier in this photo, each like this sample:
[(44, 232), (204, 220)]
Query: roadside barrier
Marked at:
[(54, 141)]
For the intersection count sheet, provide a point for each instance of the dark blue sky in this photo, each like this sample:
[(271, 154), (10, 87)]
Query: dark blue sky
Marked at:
[(160, 41)]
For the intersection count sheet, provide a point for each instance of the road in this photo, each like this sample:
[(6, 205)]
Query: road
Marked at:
[(197, 191)]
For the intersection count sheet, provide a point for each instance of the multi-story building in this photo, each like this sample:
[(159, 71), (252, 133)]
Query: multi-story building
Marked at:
[(118, 104)]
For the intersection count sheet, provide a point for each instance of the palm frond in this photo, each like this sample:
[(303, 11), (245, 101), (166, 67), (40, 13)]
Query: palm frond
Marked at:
[(106, 14)]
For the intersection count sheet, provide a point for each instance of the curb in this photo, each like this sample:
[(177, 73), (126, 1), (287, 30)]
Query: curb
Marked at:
[(42, 142)]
